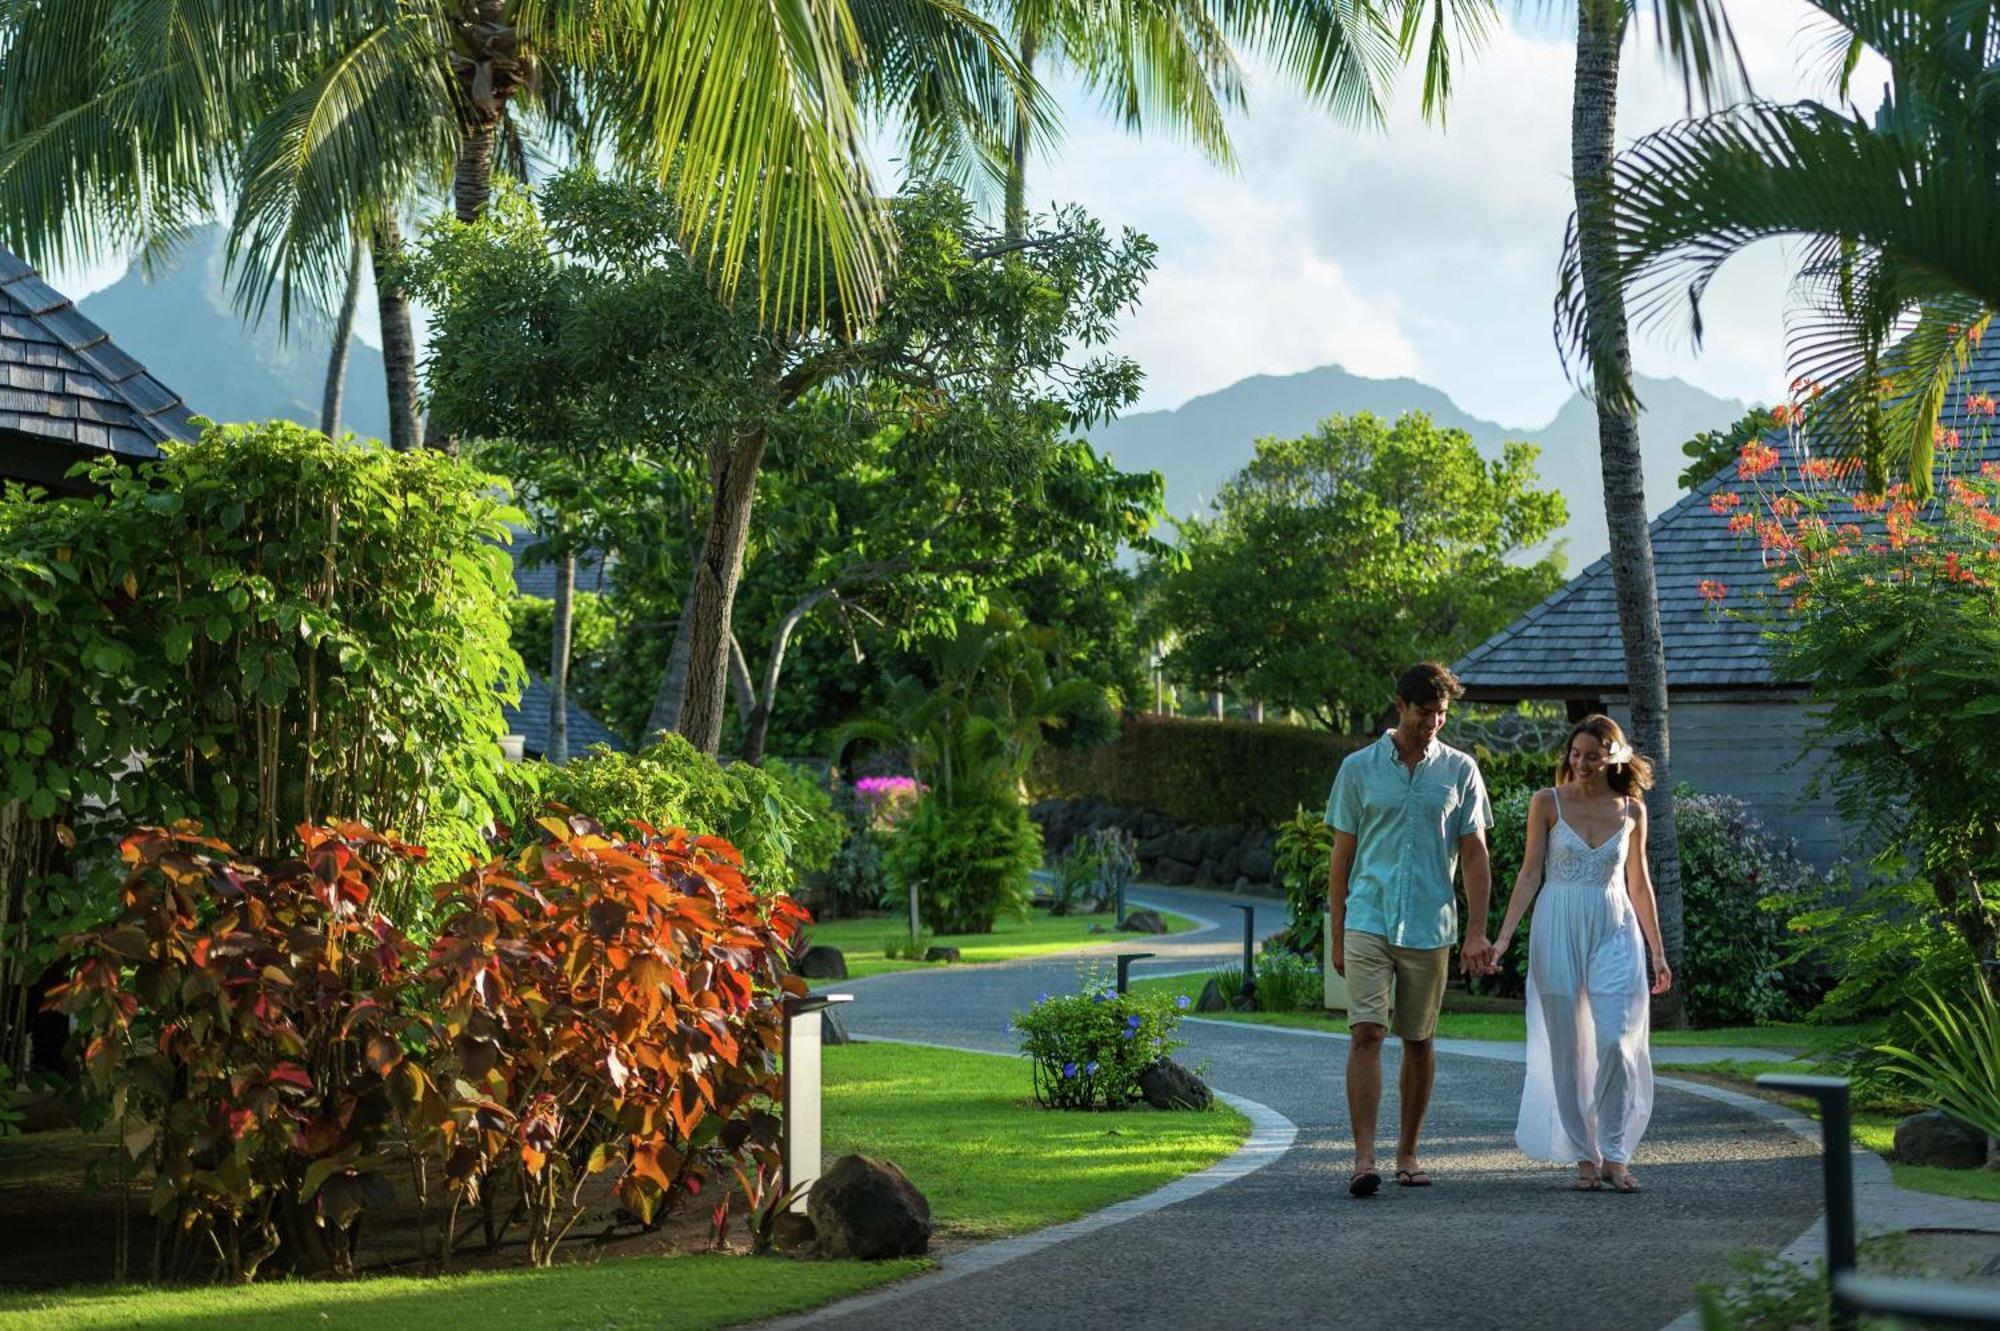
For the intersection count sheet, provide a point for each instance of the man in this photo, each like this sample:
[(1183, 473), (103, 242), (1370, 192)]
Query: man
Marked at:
[(1406, 811)]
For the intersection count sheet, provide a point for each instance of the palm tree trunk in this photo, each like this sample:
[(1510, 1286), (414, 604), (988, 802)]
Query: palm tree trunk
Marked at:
[(399, 342), (1600, 30), (560, 624), (732, 471), (343, 335), (667, 703), (472, 181), (1017, 166)]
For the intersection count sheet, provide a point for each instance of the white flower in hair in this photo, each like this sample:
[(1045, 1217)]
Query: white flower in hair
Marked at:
[(1619, 753)]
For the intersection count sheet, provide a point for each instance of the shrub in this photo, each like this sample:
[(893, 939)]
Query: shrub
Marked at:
[(967, 858), (281, 1054), (1506, 843), (1288, 982), (1883, 941), (882, 802), (1090, 1047), (238, 1020), (1952, 1056), (1211, 773), (674, 784), (1097, 867), (1732, 876), (287, 629), (1304, 860), (817, 828)]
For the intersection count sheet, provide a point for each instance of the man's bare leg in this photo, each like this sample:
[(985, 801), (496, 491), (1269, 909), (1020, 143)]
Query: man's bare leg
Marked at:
[(1364, 1091), (1413, 1089)]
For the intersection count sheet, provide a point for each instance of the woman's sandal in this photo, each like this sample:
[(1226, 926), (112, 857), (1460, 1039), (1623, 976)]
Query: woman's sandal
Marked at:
[(1591, 1182), (1622, 1182)]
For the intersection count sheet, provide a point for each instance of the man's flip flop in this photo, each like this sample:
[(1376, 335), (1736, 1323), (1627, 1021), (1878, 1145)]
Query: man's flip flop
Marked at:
[(1364, 1184), (1412, 1178)]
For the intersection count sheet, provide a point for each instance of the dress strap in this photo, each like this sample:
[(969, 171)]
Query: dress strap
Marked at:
[(1557, 792)]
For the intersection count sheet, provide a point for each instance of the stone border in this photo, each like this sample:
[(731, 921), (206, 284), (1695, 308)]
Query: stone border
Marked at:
[(1271, 1135)]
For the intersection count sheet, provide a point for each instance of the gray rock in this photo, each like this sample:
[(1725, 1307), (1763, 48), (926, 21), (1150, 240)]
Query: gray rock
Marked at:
[(1186, 845), (1151, 824), (1143, 922), (1244, 1002), (1257, 864), (1168, 1085), (941, 954), (1172, 873), (823, 963), (1156, 845), (831, 1029), (792, 1232), (1936, 1138), (868, 1209), (1211, 999)]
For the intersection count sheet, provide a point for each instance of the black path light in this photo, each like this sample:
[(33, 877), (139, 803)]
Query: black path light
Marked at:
[(1125, 960), (802, 1113), (1927, 1301), (1249, 951)]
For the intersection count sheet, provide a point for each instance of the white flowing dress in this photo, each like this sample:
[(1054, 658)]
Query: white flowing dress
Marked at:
[(1589, 1090)]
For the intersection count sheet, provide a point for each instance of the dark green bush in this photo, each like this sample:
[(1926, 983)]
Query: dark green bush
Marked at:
[(1090, 1047), (1882, 942), (289, 630), (1304, 859), (967, 858), (1213, 773), (1734, 970)]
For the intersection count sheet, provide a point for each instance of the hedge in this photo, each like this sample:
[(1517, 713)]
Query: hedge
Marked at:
[(1206, 772)]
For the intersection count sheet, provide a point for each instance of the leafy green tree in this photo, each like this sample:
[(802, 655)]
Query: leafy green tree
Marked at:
[(1333, 560), (589, 322), (1712, 450)]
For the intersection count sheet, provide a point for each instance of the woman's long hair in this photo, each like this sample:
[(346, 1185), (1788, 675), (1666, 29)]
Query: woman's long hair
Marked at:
[(1632, 777)]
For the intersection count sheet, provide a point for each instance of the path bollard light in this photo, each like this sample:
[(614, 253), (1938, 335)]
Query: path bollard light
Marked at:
[(802, 1091), (1932, 1302), (1249, 951), (1125, 960)]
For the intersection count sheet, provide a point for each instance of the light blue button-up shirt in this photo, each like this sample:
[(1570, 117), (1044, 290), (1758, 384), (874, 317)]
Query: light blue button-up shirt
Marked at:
[(1406, 827)]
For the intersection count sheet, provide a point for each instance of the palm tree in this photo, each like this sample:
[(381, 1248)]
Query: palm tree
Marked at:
[(1699, 32), (1899, 277)]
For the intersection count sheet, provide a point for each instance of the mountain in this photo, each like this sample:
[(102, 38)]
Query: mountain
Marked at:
[(178, 323), (1201, 443)]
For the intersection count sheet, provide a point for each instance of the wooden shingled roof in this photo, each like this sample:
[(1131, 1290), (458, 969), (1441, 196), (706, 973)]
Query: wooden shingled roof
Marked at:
[(1569, 646), (67, 392)]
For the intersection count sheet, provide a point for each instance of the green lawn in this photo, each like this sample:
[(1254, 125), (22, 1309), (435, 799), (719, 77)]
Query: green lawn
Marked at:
[(961, 1125), (861, 940), (1511, 1025)]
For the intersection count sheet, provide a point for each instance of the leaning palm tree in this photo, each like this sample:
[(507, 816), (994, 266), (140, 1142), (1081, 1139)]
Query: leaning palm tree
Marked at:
[(1697, 31), (1899, 278)]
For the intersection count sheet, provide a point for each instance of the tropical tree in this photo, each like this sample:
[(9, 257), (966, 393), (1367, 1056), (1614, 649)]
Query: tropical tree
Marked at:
[(1698, 33), (1370, 545), (1898, 276)]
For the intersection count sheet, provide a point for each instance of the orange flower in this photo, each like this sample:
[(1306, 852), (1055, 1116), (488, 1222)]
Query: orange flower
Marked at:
[(1756, 459), (1711, 590), (1785, 413), (1944, 438), (1785, 506), (1722, 501), (1742, 522)]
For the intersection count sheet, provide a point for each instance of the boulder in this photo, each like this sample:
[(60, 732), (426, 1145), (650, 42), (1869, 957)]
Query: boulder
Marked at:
[(868, 1209), (1143, 922), (822, 963), (1936, 1138), (1172, 873), (941, 954), (1187, 845), (1244, 1002), (792, 1232), (831, 1029), (1156, 845), (1152, 824), (1257, 864), (1211, 999), (1168, 1085)]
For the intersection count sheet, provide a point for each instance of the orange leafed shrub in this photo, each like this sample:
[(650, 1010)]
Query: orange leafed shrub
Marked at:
[(284, 1058)]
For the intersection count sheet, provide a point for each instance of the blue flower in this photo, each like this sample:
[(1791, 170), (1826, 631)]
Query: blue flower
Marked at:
[(1069, 1070), (1091, 1067), (1133, 1021), (1101, 996), (1183, 1002), (1043, 999), (1129, 1032)]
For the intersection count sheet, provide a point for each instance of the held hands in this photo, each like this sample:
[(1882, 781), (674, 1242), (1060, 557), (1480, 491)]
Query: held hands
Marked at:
[(1493, 957), (1475, 957)]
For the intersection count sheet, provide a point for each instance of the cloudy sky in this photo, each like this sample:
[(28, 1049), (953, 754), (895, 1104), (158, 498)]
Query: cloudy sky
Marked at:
[(1415, 250), (1408, 249)]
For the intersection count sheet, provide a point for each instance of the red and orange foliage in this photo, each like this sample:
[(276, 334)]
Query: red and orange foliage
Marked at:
[(284, 1058)]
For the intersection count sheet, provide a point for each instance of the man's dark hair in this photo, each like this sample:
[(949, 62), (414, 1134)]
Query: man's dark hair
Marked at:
[(1428, 681)]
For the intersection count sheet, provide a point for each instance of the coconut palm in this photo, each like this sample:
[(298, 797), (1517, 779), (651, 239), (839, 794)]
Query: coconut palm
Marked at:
[(1697, 32), (1899, 277)]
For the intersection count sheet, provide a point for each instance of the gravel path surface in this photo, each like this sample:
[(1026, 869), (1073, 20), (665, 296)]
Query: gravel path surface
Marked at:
[(1498, 1242)]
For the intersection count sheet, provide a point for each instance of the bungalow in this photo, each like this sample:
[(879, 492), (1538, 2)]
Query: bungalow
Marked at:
[(68, 393), (1738, 727)]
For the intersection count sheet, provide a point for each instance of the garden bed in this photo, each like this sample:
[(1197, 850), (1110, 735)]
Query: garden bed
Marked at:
[(963, 1126), (862, 941)]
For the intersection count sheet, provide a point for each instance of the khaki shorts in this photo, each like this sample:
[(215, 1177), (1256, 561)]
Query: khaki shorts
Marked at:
[(1401, 988)]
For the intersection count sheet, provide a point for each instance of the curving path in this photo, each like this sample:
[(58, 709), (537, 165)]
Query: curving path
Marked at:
[(1498, 1243)]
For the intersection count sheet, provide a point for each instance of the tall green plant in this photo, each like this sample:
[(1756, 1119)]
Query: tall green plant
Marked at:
[(256, 631), (1953, 1056)]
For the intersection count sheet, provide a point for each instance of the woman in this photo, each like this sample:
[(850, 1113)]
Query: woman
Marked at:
[(1589, 1091)]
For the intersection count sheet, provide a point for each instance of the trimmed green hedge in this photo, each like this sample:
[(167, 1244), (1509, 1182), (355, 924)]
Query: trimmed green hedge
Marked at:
[(1212, 773)]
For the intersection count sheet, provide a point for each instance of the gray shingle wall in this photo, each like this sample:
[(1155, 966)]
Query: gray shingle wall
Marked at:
[(1569, 645), (530, 720), (63, 380)]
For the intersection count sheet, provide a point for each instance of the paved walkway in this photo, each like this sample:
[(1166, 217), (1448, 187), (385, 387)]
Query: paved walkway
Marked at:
[(1498, 1242)]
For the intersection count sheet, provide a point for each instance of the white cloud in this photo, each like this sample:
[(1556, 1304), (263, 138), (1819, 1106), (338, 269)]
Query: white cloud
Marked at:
[(1414, 249)]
